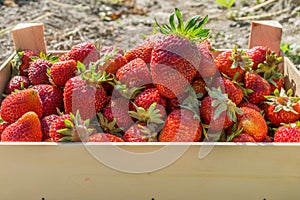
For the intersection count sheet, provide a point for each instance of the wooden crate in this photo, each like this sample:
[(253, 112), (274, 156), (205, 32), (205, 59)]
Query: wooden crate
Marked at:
[(150, 171)]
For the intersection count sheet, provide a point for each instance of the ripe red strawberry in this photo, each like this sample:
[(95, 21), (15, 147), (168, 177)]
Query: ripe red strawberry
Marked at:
[(22, 61), (243, 137), (84, 52), (134, 74), (174, 103), (140, 132), (217, 110), (62, 71), (45, 124), (144, 50), (70, 128), (85, 93), (175, 58), (207, 67), (199, 86), (257, 54), (148, 97), (17, 83), (112, 59), (17, 104), (253, 124), (58, 124), (258, 85), (181, 126), (287, 134), (118, 109), (25, 129), (104, 137), (3, 125), (51, 97), (249, 105), (270, 71), (235, 93), (282, 107), (37, 71), (232, 62)]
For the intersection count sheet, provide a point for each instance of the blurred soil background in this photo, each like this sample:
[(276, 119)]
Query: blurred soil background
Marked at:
[(125, 23)]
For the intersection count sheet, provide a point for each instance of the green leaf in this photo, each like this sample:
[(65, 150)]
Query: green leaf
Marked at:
[(172, 22), (191, 23), (68, 123), (180, 26), (225, 3), (220, 109)]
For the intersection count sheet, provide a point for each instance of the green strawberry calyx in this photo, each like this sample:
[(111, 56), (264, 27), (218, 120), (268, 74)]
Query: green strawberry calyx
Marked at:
[(283, 100), (239, 59), (149, 132), (109, 127), (151, 116), (128, 93), (236, 131), (269, 68), (93, 76), (192, 30), (222, 103), (76, 129)]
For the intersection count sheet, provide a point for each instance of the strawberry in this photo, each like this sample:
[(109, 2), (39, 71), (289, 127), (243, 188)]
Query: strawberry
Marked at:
[(37, 71), (258, 55), (235, 93), (85, 93), (45, 124), (249, 105), (17, 104), (134, 74), (282, 107), (233, 61), (84, 52), (207, 67), (26, 129), (17, 83), (181, 126), (58, 124), (104, 137), (148, 97), (217, 110), (111, 59), (269, 70), (199, 86), (144, 50), (62, 71), (243, 137), (253, 124), (117, 109), (51, 97), (140, 132), (174, 103), (287, 134), (22, 61), (175, 58), (3, 125), (259, 86), (70, 128)]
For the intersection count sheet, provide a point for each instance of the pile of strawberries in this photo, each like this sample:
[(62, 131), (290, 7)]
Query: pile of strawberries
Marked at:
[(170, 88)]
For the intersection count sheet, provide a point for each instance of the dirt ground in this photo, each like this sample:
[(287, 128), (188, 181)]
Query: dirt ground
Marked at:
[(126, 22)]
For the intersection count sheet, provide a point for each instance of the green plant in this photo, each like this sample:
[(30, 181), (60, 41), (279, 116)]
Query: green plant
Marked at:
[(292, 51), (226, 3)]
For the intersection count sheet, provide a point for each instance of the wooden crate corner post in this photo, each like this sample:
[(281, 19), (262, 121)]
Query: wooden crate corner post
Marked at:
[(29, 36), (266, 33)]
